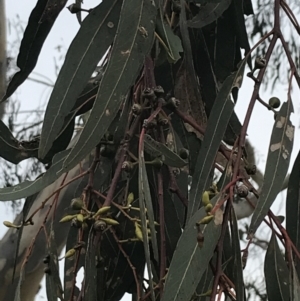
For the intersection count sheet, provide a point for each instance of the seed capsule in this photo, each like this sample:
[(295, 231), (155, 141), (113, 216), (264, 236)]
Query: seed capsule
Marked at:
[(149, 94), (77, 204), (47, 270), (137, 109), (183, 153), (100, 225), (242, 191), (260, 63), (46, 259), (274, 102), (127, 166), (159, 91)]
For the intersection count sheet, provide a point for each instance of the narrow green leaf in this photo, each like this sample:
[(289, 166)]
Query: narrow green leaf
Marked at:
[(190, 261), (88, 47), (237, 259), (216, 127), (240, 26), (146, 210), (13, 150), (90, 270), (133, 41), (280, 149), (293, 204), (28, 188), (158, 149), (39, 25), (53, 284), (295, 284), (208, 13), (170, 42), (276, 273)]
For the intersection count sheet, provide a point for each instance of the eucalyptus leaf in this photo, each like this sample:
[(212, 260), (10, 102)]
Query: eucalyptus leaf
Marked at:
[(237, 259), (276, 273), (190, 261), (90, 269), (280, 149), (88, 47), (168, 39), (216, 126), (28, 188), (39, 25), (133, 41), (13, 150), (208, 13), (144, 200), (157, 149)]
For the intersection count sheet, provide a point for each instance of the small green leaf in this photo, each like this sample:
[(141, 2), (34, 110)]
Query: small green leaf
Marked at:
[(208, 13), (216, 126), (158, 149), (132, 43), (280, 149), (88, 47), (276, 273), (39, 25), (170, 42), (189, 261)]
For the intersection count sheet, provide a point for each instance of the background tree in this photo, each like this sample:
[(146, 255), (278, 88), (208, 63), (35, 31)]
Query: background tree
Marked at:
[(162, 112)]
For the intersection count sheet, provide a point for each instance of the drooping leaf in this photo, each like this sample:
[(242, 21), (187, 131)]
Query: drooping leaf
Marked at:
[(133, 41), (167, 38), (217, 123), (280, 149), (208, 13), (237, 259), (190, 261), (240, 26), (53, 284), (90, 270), (39, 25), (295, 283), (28, 188), (276, 273), (145, 204), (293, 207), (157, 149), (13, 150), (88, 47), (172, 221)]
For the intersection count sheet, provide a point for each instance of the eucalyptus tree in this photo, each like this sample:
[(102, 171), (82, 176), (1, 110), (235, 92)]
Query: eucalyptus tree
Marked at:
[(152, 86)]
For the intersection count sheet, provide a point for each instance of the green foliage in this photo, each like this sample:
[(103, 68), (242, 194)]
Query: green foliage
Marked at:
[(158, 117)]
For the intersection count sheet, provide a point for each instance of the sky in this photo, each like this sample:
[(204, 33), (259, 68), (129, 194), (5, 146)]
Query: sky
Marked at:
[(32, 94)]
